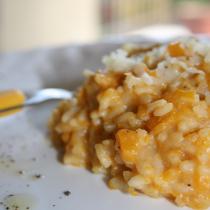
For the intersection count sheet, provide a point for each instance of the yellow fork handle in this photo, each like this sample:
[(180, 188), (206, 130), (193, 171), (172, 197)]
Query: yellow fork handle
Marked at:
[(10, 98)]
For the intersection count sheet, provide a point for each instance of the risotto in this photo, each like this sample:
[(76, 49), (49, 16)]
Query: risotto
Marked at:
[(144, 121)]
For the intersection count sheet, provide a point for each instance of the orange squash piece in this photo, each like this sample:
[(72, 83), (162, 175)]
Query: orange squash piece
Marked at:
[(176, 50), (128, 141)]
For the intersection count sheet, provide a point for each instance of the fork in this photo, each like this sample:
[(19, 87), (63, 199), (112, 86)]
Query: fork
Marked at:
[(12, 101)]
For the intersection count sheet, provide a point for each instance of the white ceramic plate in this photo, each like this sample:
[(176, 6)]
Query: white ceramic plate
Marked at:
[(25, 146)]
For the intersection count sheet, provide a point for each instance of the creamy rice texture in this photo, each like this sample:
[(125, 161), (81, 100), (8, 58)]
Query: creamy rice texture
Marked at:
[(144, 121)]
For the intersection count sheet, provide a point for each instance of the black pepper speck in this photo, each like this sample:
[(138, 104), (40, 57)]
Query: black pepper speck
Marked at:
[(67, 193), (38, 176), (21, 172)]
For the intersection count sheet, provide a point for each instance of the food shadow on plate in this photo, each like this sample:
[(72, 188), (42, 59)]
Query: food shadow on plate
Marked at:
[(38, 117)]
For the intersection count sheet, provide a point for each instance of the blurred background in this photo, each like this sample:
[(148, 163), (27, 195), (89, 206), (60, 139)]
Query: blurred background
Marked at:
[(27, 24)]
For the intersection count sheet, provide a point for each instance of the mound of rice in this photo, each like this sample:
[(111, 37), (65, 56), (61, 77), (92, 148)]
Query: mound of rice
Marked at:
[(144, 121)]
